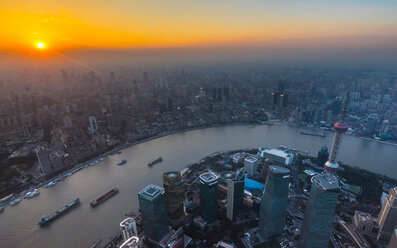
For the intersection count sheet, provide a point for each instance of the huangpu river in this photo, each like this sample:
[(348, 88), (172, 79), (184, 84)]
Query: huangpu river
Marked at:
[(84, 225)]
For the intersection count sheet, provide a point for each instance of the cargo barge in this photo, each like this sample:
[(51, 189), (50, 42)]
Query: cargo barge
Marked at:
[(104, 197), (46, 220), (150, 164), (313, 134)]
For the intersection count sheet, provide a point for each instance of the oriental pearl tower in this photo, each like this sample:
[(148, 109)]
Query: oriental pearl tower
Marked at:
[(340, 127)]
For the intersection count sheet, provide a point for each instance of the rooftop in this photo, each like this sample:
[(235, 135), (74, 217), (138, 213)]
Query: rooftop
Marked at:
[(326, 181), (151, 191), (364, 217), (279, 170), (277, 152), (131, 242), (171, 174), (208, 177), (251, 159)]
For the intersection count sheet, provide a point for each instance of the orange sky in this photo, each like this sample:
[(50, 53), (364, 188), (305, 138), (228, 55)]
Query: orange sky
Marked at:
[(68, 24)]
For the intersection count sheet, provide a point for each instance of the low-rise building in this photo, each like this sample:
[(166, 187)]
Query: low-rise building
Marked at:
[(276, 155)]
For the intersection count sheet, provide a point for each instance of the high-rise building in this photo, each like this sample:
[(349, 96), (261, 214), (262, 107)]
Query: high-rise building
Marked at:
[(154, 212), (320, 211), (387, 219), (393, 240), (372, 121), (128, 228), (209, 196), (251, 165), (384, 127), (272, 213), (173, 186), (322, 156), (67, 122), (93, 124), (235, 194)]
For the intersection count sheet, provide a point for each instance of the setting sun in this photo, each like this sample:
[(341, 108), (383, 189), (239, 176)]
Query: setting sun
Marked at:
[(40, 45)]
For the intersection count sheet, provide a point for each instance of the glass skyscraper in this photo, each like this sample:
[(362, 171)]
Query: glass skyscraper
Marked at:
[(387, 219), (173, 186), (320, 212), (209, 196), (154, 212), (235, 194), (274, 202)]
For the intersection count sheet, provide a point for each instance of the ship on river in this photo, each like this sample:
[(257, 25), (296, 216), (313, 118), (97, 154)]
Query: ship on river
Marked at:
[(313, 134), (150, 164), (104, 197), (122, 162), (48, 219)]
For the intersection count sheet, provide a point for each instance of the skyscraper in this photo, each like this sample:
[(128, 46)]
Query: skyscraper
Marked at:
[(208, 196), (235, 194), (154, 213), (173, 187), (274, 202), (387, 219), (93, 125), (251, 165), (393, 240), (320, 212), (384, 127), (322, 156)]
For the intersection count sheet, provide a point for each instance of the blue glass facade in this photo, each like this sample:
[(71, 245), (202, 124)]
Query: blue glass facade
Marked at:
[(274, 202), (152, 202), (320, 212), (209, 197)]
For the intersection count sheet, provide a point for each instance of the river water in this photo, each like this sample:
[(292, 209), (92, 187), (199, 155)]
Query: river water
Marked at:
[(83, 226)]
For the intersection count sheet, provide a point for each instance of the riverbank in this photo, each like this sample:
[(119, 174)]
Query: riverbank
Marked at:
[(19, 194), (330, 131)]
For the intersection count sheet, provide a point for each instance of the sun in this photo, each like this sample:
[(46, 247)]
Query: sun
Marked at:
[(40, 45)]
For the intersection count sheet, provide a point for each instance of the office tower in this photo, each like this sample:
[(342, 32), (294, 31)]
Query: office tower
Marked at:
[(393, 240), (372, 121), (251, 165), (384, 127), (320, 211), (274, 202), (128, 228), (226, 92), (170, 104), (235, 194), (93, 124), (275, 99), (220, 95), (387, 219), (154, 212), (67, 122), (173, 187), (322, 156), (208, 196), (336, 105)]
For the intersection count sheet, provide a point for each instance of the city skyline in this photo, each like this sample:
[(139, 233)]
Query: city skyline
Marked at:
[(198, 124)]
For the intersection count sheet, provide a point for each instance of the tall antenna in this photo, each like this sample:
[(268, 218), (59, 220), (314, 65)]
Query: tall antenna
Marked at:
[(340, 127)]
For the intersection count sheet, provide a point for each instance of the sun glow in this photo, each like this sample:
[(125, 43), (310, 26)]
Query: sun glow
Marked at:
[(40, 45)]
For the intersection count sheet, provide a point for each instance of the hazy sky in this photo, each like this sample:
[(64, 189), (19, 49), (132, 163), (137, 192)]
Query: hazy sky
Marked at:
[(65, 25)]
